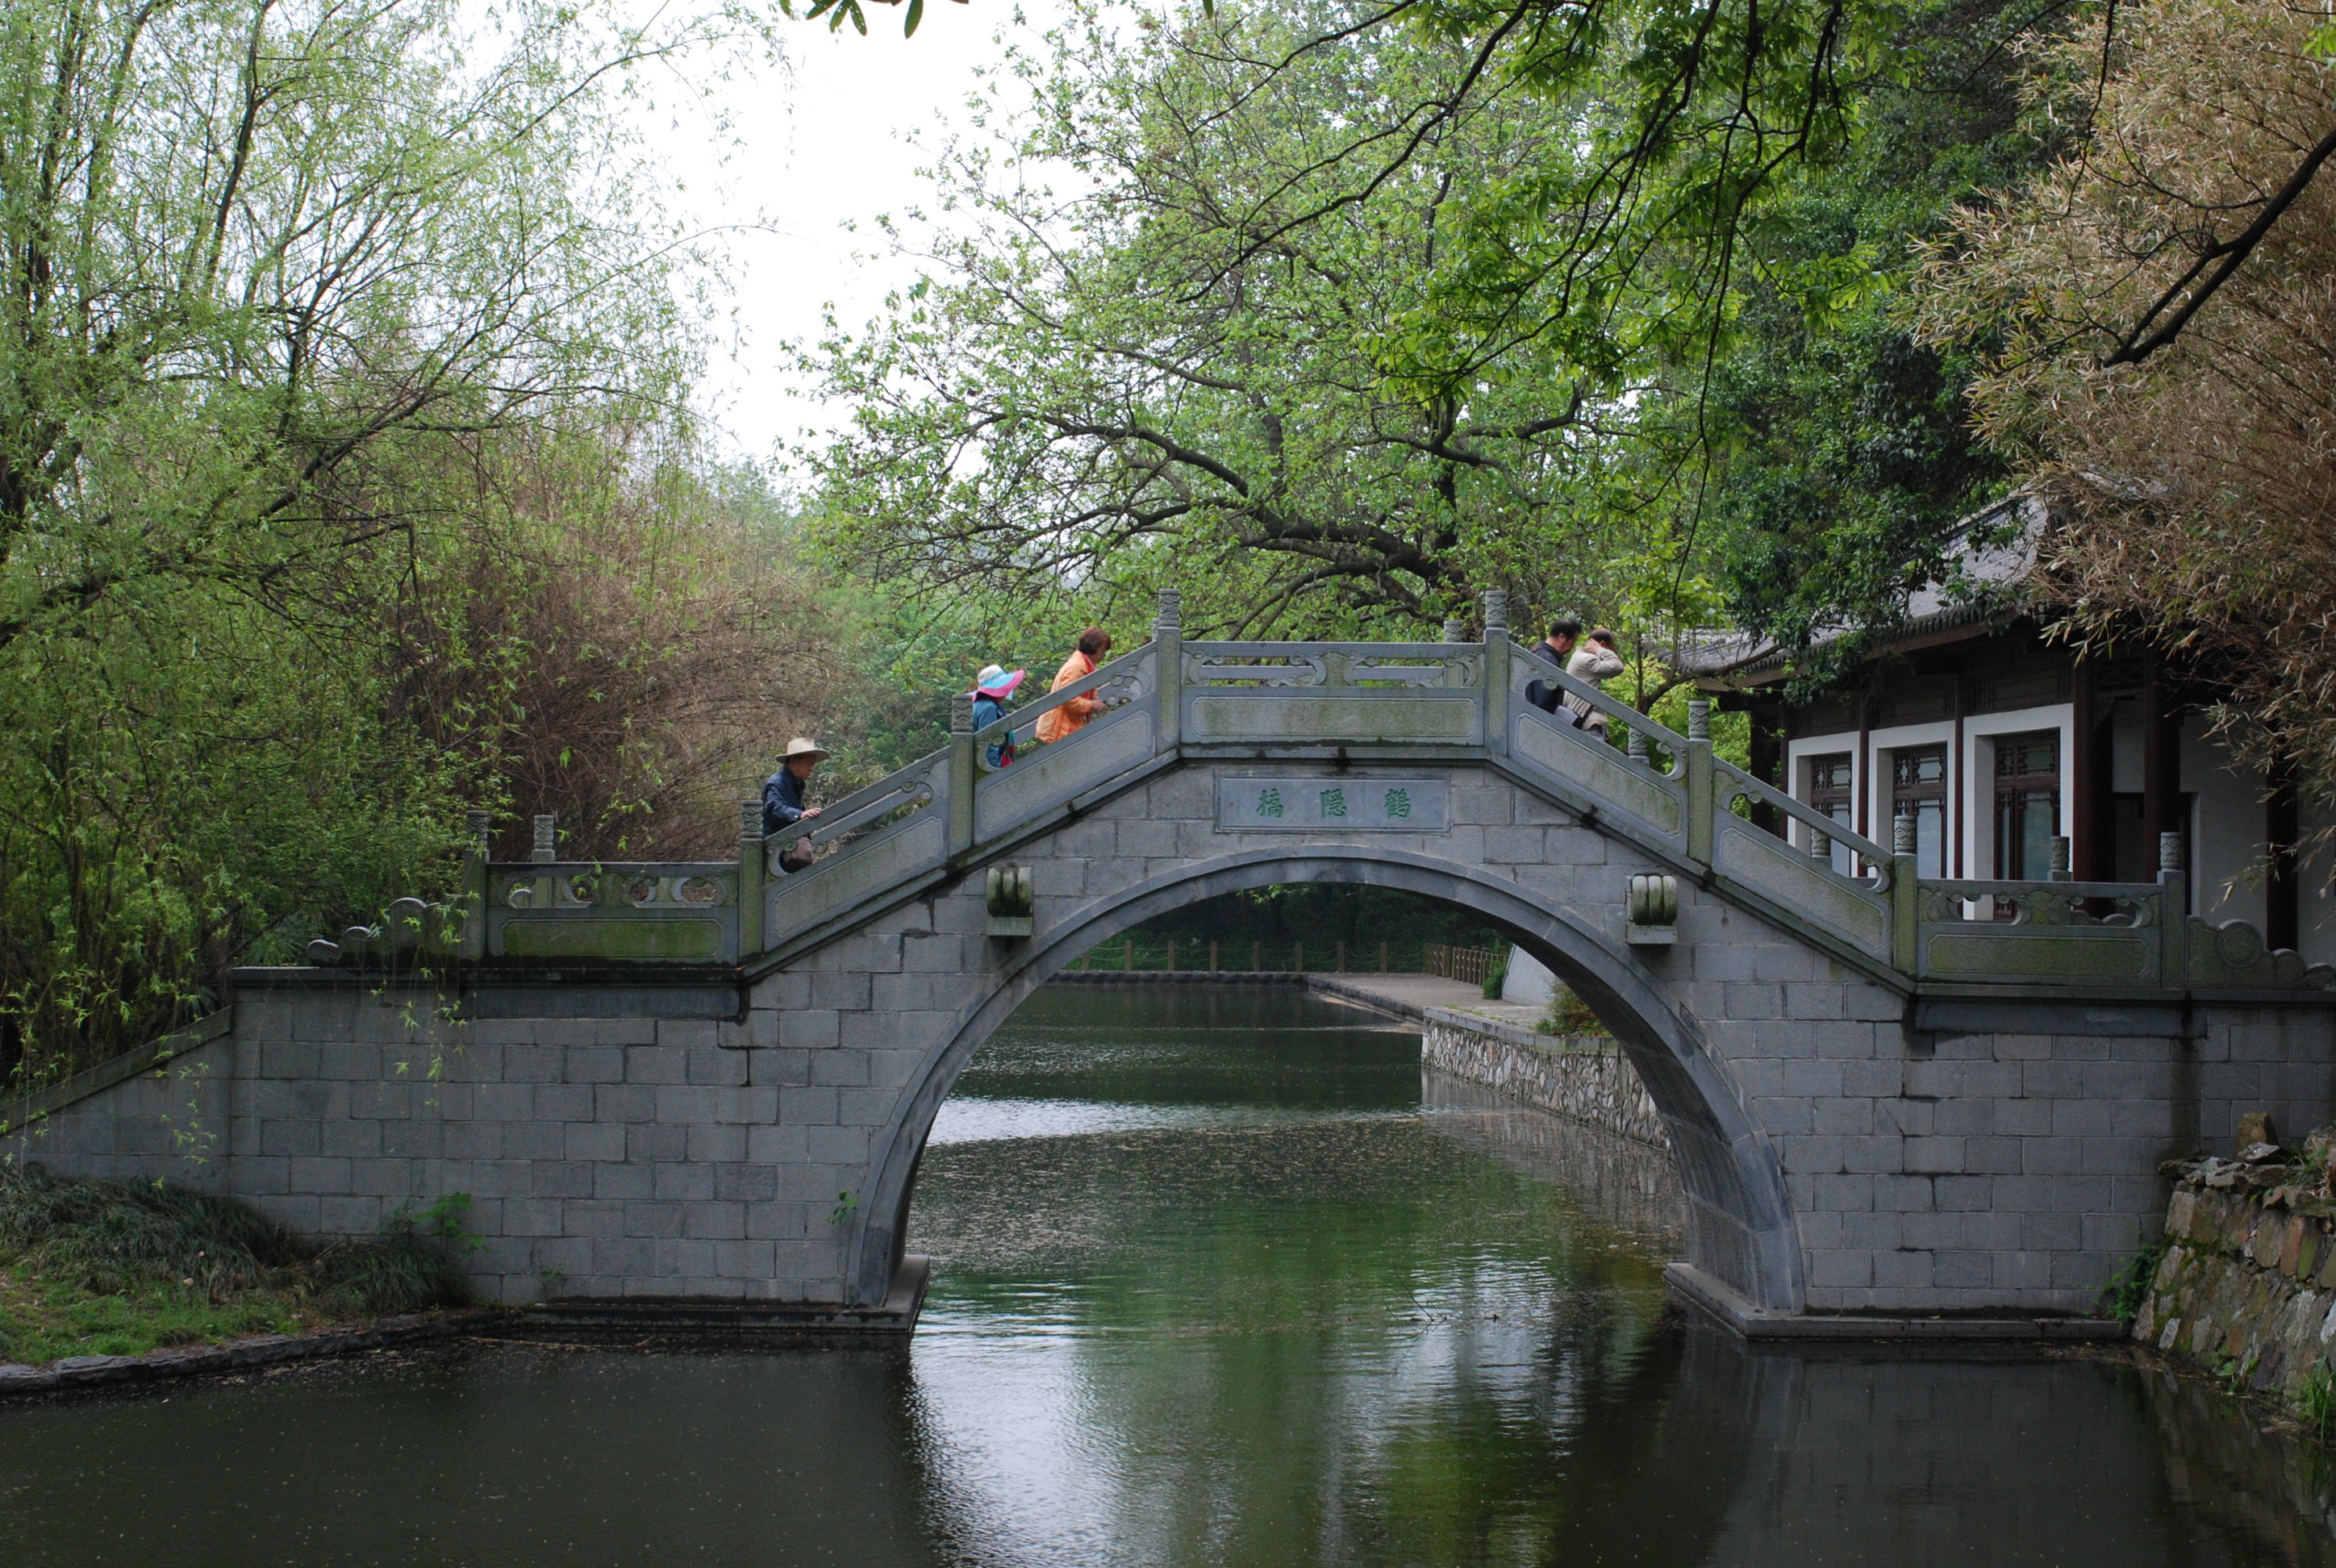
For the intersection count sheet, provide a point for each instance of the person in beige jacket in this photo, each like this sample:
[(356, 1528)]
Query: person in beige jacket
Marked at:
[(1597, 662)]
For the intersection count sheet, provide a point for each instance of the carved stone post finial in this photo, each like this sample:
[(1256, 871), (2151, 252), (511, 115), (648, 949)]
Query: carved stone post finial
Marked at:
[(961, 714), (750, 819), (1698, 719), (1171, 608), (546, 838), (1496, 612), (1820, 846), (2169, 853), (1637, 749), (2059, 872), (1455, 630), (1901, 835), (476, 825)]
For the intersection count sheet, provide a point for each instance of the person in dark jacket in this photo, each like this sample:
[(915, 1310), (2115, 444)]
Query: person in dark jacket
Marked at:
[(783, 798), (992, 688), (1558, 649)]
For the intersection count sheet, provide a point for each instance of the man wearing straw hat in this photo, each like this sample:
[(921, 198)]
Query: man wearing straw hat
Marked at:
[(783, 799)]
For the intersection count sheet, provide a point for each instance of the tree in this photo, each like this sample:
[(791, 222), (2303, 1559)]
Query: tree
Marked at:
[(1125, 388), (277, 279), (2178, 413), (1349, 320)]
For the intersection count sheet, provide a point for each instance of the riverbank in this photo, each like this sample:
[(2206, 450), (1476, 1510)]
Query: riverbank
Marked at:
[(114, 1281), (2246, 1283)]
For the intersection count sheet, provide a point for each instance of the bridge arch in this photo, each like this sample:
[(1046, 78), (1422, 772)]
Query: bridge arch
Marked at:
[(1740, 1227)]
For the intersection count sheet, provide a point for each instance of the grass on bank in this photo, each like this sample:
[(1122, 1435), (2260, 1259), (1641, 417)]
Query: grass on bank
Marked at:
[(120, 1268)]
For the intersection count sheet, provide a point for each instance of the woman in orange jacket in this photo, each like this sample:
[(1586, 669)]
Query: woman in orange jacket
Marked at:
[(1056, 722)]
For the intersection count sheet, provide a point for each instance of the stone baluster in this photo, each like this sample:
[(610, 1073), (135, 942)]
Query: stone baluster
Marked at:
[(1496, 672), (1168, 661), (1905, 904), (752, 868), (476, 829), (2174, 910), (962, 773), (1701, 781)]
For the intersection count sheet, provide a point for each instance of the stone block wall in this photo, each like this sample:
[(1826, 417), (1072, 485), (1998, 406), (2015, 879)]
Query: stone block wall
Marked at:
[(1584, 1079), (2243, 1284)]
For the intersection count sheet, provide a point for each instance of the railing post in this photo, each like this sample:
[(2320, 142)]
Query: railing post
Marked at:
[(1496, 672), (961, 772), (474, 884), (1903, 904), (751, 868), (2173, 912), (1702, 831), (1168, 671)]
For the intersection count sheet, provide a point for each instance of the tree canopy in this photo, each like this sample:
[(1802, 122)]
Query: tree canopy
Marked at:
[(1336, 316)]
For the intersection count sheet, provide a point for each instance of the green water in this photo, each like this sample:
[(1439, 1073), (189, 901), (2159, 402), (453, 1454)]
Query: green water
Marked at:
[(1218, 1281)]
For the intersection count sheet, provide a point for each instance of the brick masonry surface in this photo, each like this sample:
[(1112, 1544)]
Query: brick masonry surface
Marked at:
[(1833, 1157)]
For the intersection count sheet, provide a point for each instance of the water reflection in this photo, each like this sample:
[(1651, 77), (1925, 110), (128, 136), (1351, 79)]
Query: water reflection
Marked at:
[(1218, 1282)]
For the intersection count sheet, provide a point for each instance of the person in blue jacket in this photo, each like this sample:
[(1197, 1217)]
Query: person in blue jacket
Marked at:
[(991, 691), (783, 798)]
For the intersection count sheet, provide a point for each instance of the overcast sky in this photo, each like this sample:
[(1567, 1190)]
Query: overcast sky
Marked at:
[(814, 151)]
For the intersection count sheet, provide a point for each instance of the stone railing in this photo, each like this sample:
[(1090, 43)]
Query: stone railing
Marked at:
[(1454, 702)]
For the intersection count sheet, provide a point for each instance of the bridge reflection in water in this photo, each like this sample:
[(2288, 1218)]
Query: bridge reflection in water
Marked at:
[(1618, 1184)]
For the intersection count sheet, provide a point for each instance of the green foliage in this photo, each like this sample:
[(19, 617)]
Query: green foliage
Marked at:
[(1097, 400), (293, 295), (1347, 320), (2315, 1401), (2129, 1288), (139, 1263), (1569, 1015)]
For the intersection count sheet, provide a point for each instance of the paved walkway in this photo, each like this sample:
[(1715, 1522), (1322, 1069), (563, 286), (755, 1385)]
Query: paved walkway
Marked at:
[(1410, 996)]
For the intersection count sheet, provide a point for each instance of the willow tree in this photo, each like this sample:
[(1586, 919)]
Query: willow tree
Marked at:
[(275, 280)]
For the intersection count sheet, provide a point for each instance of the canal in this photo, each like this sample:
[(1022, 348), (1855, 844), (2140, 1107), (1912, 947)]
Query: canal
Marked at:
[(1218, 1281)]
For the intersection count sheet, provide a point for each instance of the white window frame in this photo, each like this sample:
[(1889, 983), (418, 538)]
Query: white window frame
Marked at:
[(1882, 771), (1797, 782), (1978, 804)]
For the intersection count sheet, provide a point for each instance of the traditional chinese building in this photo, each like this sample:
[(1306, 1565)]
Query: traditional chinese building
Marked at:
[(1996, 742)]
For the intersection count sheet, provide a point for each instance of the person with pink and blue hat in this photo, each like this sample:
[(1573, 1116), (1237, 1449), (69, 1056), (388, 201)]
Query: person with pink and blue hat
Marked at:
[(991, 690)]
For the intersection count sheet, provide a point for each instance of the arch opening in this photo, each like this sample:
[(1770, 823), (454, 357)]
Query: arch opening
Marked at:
[(1739, 1222)]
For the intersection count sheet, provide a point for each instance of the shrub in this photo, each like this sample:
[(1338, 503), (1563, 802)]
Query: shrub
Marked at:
[(113, 1238)]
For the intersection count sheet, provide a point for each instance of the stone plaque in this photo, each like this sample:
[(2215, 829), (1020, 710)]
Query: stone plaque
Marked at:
[(1404, 806)]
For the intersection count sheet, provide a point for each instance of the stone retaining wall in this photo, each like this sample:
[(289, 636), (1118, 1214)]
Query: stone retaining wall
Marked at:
[(1581, 1078), (2244, 1284)]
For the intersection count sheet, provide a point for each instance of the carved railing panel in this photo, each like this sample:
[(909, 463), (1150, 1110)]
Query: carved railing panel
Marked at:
[(2063, 933), (2234, 956), (1392, 693), (613, 912)]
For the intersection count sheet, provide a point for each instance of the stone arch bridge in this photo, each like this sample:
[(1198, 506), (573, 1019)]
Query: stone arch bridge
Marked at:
[(704, 1088)]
